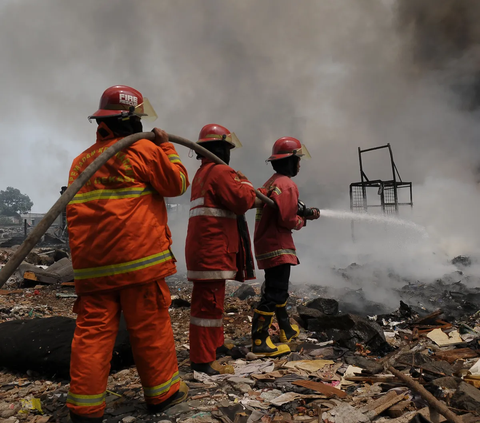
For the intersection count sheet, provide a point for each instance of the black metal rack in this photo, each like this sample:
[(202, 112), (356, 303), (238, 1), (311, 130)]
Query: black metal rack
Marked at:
[(388, 190)]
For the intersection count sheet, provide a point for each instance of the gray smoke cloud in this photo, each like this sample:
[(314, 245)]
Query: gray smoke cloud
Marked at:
[(336, 75)]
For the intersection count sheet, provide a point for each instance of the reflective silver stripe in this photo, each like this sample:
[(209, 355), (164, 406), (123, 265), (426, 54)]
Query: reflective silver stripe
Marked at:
[(247, 183), (210, 211), (206, 323), (211, 274), (198, 202)]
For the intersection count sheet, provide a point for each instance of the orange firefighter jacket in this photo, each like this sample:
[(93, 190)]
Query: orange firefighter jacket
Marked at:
[(273, 238), (218, 196), (117, 222)]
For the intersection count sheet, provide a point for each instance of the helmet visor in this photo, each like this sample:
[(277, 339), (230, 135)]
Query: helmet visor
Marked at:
[(303, 152), (234, 140), (146, 111)]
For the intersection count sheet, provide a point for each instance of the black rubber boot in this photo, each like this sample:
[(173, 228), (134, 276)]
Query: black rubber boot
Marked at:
[(178, 397), (222, 351), (204, 368), (287, 331), (75, 418), (262, 345)]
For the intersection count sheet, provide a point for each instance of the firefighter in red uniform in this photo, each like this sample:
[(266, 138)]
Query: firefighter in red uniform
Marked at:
[(218, 244), (274, 247), (120, 244)]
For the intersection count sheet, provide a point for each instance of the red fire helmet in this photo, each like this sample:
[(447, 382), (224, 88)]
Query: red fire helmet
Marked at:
[(288, 146), (214, 132), (122, 100)]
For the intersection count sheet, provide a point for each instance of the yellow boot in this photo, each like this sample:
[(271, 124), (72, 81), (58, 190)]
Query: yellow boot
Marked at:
[(287, 331), (262, 345)]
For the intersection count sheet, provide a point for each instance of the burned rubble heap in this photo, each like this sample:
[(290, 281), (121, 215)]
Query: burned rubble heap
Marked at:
[(338, 370)]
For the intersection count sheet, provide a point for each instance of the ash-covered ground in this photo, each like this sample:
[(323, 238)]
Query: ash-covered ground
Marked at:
[(336, 372)]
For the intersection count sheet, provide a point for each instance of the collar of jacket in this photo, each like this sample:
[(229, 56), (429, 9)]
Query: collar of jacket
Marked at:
[(104, 133), (206, 161)]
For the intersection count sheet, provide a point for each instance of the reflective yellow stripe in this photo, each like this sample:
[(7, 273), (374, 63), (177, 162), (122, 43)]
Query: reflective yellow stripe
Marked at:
[(275, 253), (258, 215), (129, 266), (184, 182), (86, 400), (174, 158), (111, 194), (277, 191), (281, 305), (161, 389), (264, 313)]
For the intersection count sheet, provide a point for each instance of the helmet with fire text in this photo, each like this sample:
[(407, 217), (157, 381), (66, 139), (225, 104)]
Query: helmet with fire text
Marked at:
[(213, 132), (286, 147), (123, 102)]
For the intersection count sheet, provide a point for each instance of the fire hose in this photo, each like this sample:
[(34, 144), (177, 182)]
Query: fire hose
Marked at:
[(72, 190)]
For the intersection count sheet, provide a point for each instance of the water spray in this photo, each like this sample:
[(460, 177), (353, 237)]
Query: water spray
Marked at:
[(374, 218)]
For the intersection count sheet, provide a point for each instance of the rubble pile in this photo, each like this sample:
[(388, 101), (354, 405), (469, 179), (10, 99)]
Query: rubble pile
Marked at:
[(12, 236), (343, 367)]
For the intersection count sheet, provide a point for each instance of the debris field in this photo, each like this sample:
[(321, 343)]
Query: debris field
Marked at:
[(354, 361)]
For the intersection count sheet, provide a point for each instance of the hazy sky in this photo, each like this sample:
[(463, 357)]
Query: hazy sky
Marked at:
[(336, 74)]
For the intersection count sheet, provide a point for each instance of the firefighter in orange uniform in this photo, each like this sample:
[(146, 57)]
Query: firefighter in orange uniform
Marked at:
[(274, 247), (218, 244), (120, 245)]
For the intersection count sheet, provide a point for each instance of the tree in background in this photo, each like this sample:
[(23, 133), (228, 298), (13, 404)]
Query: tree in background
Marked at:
[(13, 203)]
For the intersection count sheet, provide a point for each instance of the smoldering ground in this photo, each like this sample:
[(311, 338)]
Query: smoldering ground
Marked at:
[(337, 75)]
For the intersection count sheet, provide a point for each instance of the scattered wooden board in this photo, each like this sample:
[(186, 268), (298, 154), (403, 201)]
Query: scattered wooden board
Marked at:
[(11, 292), (457, 354), (323, 388)]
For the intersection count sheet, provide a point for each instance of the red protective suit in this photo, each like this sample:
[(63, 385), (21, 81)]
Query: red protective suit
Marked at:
[(212, 245), (120, 245), (273, 238)]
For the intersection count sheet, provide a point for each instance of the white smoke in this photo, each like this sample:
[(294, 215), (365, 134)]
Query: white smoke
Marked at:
[(337, 75)]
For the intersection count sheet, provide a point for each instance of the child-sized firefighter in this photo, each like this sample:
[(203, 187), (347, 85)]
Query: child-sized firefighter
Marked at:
[(274, 248), (218, 245)]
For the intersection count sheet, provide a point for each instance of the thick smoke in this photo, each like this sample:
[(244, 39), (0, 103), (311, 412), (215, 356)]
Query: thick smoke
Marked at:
[(337, 75)]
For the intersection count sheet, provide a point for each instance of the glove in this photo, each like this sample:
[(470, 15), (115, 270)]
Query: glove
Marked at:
[(312, 214), (306, 212), (160, 136)]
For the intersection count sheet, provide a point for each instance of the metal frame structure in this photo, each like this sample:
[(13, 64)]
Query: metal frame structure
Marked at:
[(388, 189)]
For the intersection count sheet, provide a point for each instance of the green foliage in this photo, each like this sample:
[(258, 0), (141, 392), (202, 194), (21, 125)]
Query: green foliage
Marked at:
[(14, 203)]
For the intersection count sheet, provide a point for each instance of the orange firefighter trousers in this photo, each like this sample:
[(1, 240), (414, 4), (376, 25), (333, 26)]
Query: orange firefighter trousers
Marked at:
[(206, 320), (145, 308)]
